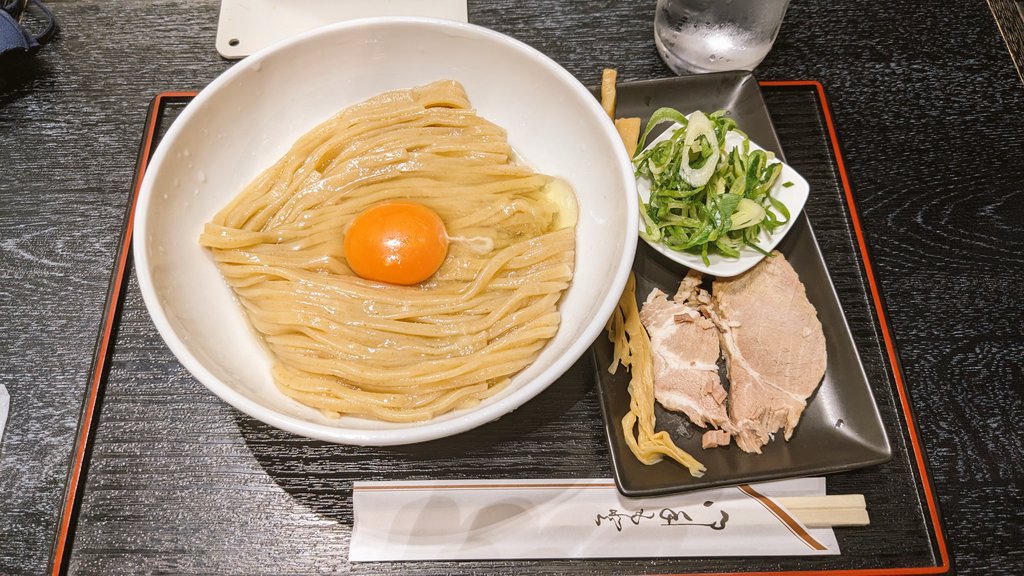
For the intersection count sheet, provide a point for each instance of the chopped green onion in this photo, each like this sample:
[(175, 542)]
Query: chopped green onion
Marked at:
[(703, 198)]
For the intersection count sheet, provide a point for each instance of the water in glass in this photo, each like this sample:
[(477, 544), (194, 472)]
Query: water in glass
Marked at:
[(716, 35)]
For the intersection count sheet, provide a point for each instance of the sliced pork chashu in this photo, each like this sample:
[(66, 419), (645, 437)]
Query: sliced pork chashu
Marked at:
[(774, 349), (686, 351)]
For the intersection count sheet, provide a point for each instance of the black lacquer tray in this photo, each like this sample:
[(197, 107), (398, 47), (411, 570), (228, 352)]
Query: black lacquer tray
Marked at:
[(167, 478)]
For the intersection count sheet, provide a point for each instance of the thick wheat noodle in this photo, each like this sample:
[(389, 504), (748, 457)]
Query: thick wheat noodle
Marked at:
[(331, 216), (489, 305), (532, 268), (526, 254), (357, 291), (492, 325), (290, 173), (346, 345), (632, 349), (443, 374), (486, 308)]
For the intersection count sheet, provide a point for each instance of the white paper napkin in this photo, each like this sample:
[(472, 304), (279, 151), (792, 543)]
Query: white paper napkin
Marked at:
[(521, 519), (5, 405), (246, 26)]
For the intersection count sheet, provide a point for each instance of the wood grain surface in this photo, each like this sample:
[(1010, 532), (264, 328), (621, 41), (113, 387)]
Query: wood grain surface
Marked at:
[(927, 103), (1009, 16)]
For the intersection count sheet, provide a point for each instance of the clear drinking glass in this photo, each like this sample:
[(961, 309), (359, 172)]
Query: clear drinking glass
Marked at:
[(716, 35)]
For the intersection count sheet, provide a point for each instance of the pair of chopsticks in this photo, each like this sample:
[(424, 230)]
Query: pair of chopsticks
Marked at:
[(827, 511)]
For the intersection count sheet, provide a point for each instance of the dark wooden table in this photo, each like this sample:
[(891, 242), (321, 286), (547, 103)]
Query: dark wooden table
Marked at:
[(927, 103)]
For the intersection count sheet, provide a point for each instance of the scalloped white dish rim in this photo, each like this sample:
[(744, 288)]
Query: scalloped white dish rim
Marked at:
[(794, 197)]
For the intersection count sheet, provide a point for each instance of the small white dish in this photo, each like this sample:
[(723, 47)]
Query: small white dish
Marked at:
[(794, 197)]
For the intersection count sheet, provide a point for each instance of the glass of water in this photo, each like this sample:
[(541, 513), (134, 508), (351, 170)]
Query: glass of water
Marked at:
[(695, 36)]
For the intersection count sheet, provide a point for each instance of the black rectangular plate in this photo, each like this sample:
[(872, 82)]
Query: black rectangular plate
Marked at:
[(841, 429)]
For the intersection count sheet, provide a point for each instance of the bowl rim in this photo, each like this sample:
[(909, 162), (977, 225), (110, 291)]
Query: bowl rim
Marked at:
[(414, 432)]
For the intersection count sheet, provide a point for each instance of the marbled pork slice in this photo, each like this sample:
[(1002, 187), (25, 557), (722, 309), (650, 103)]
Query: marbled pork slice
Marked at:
[(686, 351), (774, 349)]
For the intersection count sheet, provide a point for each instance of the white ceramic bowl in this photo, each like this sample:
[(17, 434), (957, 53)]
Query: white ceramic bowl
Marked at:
[(248, 117)]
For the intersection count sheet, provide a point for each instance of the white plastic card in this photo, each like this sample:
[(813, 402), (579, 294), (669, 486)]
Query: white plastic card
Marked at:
[(246, 26), (5, 404)]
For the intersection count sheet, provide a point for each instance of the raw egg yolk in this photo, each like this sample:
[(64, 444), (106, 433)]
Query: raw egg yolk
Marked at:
[(396, 242)]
